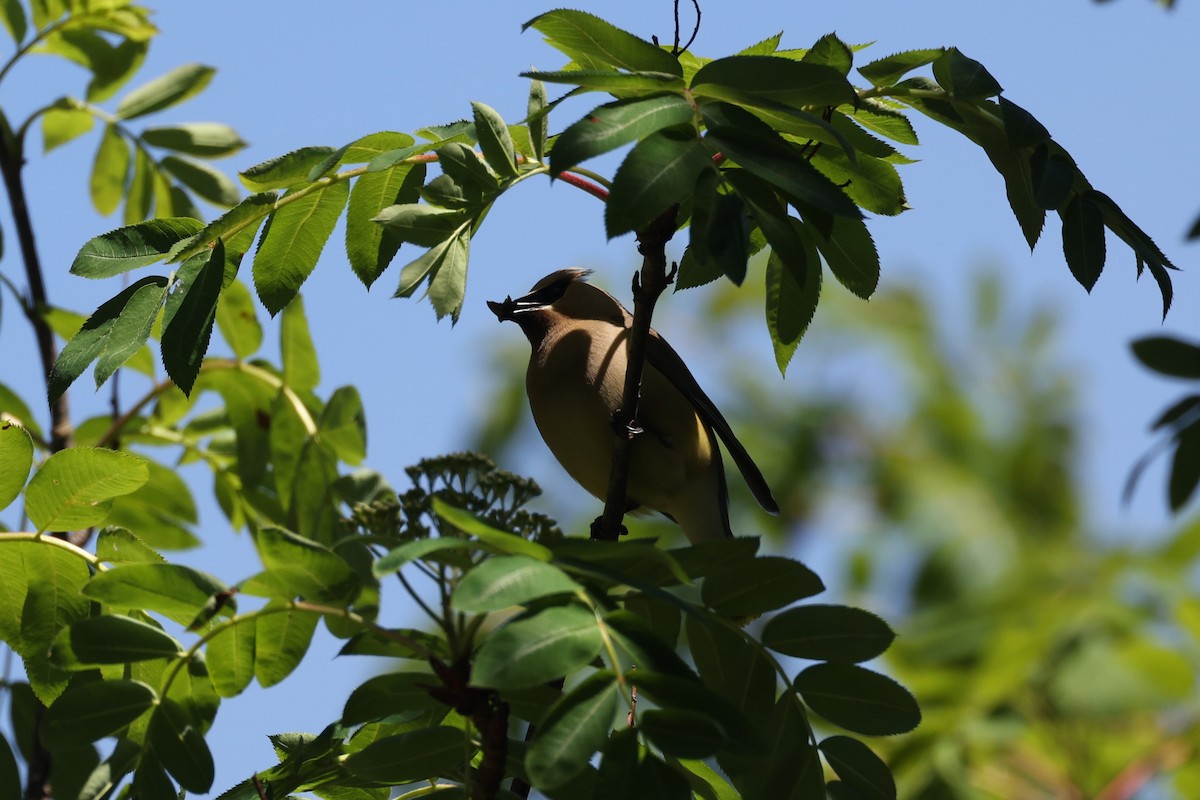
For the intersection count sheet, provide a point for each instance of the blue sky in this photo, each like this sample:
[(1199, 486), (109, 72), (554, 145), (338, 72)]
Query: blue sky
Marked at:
[(1111, 82)]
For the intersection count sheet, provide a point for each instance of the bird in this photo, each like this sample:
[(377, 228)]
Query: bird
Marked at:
[(578, 334)]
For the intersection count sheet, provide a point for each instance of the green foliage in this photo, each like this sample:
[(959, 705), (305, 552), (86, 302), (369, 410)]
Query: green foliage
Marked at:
[(1178, 426)]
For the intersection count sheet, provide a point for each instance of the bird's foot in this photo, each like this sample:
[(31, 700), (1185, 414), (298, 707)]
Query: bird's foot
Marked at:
[(599, 531)]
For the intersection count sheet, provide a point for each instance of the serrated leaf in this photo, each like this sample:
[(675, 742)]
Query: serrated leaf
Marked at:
[(173, 590), (870, 182), (203, 179), (622, 84), (284, 171), (119, 545), (203, 139), (74, 488), (187, 332), (659, 172), (759, 584), (832, 52), (574, 728), (536, 110), (858, 700), (537, 648), (506, 581), (874, 115), (791, 302), (165, 91), (579, 33), (494, 140), (370, 247), (91, 711), (238, 223), (850, 253), (719, 235), (110, 171), (131, 329), (613, 125), (964, 78), (16, 459), (887, 71), (773, 78), (448, 278), (61, 125), (424, 225), (828, 633), (1083, 240), (131, 247), (291, 245)]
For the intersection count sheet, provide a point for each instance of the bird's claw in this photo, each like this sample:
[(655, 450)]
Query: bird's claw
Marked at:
[(599, 531), (623, 426)]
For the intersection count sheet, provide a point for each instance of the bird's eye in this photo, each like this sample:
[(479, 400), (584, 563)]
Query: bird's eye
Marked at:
[(548, 294)]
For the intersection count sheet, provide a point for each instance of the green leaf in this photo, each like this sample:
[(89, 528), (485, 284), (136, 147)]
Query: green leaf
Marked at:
[(237, 223), (576, 726), (774, 79), (203, 139), (13, 17), (964, 78), (749, 142), (421, 224), (39, 596), (230, 658), (828, 633), (281, 640), (116, 68), (110, 171), (397, 557), (300, 368), (1053, 177), (284, 171), (613, 125), (165, 91), (187, 331), (858, 700), (370, 246), (870, 182), (682, 732), (206, 181), (622, 84), (180, 746), (686, 693), (494, 140), (119, 545), (719, 241), (507, 581), (131, 329), (537, 111), (385, 695), (760, 584), (788, 767), (14, 408), (579, 34), (859, 768), (90, 711), (237, 320), (887, 71), (61, 125), (850, 253), (537, 648), (500, 540), (660, 171), (1083, 240), (293, 241), (74, 488), (140, 195), (343, 425), (832, 52), (425, 753), (1137, 239), (1168, 356), (16, 459), (160, 511), (300, 567), (791, 303), (448, 277), (173, 590), (110, 639)]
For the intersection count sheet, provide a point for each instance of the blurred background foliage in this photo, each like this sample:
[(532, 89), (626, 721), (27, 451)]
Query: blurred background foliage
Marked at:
[(926, 465)]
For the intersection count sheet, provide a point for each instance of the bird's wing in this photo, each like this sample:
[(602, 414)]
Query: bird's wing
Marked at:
[(664, 358)]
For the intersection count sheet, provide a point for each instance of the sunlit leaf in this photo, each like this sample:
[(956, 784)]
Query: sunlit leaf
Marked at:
[(507, 581), (110, 171), (165, 91), (203, 139), (578, 33), (291, 245), (537, 648), (173, 590), (74, 488), (16, 459)]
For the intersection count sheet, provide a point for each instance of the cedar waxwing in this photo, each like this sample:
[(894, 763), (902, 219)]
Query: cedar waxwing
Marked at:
[(575, 379)]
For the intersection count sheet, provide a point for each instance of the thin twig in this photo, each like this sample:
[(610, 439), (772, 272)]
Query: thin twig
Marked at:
[(648, 284)]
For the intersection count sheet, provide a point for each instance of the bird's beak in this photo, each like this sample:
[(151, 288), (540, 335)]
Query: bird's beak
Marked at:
[(503, 311)]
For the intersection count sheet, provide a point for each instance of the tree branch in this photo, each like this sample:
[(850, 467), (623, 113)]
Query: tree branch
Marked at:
[(648, 284)]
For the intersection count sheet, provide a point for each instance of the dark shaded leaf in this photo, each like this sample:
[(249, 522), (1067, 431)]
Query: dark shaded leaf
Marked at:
[(186, 335), (91, 711), (1167, 355), (506, 581), (858, 700), (538, 648), (494, 140), (773, 78), (575, 727), (612, 125), (828, 633), (887, 71), (177, 741), (1083, 240), (1185, 468), (859, 768), (409, 757), (760, 584), (964, 78)]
